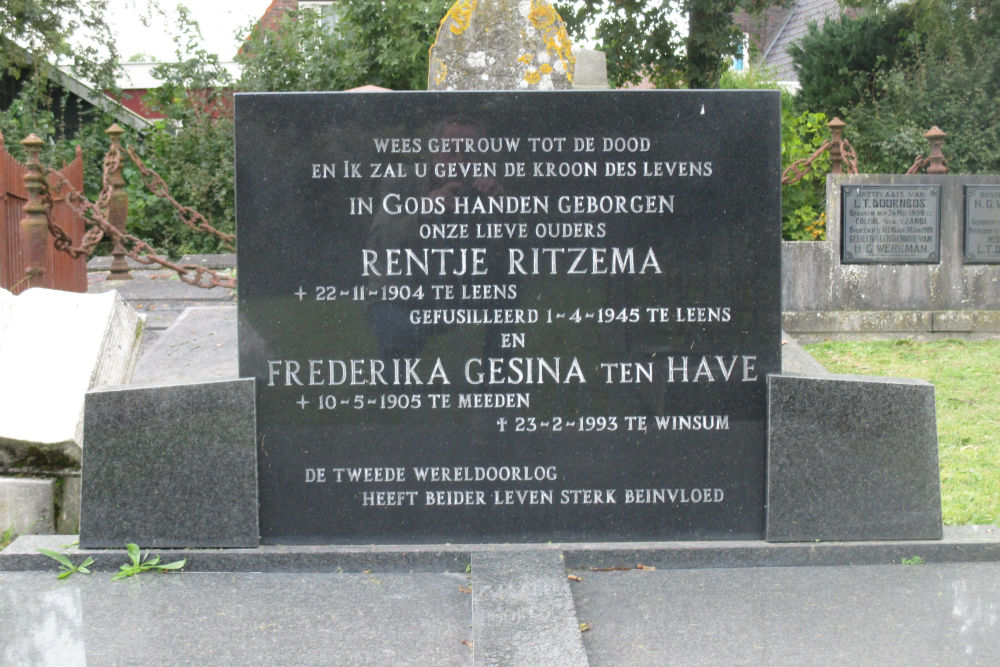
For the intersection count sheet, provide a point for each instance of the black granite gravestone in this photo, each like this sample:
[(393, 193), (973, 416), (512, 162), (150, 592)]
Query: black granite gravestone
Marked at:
[(509, 316), (891, 224), (982, 224)]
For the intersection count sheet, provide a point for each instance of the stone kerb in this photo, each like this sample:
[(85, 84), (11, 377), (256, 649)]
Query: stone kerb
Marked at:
[(171, 458), (823, 295)]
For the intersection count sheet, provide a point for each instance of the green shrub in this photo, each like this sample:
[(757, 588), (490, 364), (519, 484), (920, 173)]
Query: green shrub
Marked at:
[(838, 64), (803, 204), (895, 72), (196, 163), (957, 92)]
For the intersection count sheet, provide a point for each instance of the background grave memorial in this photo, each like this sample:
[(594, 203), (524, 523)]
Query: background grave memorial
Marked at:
[(890, 224), (824, 296), (982, 224), (509, 316)]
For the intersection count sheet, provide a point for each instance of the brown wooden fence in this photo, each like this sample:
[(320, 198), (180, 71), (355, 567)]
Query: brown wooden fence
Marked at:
[(61, 271)]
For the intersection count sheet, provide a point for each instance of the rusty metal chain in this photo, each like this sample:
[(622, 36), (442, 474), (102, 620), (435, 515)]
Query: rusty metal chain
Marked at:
[(62, 241), (190, 217), (797, 170), (111, 163), (135, 247), (918, 164), (850, 157)]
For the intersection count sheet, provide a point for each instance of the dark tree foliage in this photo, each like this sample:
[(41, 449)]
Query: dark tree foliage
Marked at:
[(192, 150), (382, 44), (838, 63), (636, 36), (947, 75), (640, 40), (712, 39), (33, 33)]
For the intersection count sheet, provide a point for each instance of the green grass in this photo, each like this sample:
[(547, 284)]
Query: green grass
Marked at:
[(6, 537), (966, 379)]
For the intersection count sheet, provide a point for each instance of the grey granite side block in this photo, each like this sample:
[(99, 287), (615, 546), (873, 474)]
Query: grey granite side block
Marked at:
[(170, 466), (852, 458)]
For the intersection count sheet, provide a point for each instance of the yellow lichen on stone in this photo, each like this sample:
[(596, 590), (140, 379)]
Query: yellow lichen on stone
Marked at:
[(460, 14), (553, 30), (526, 59), (442, 72), (545, 68), (532, 76)]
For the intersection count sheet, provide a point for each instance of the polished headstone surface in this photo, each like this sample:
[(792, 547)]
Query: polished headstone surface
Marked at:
[(852, 458), (662, 255), (865, 616), (170, 466), (913, 615)]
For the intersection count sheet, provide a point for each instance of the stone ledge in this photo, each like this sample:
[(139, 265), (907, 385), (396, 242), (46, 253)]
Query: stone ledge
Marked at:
[(806, 325), (961, 544), (970, 321)]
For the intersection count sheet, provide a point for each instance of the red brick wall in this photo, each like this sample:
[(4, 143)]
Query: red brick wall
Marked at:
[(273, 14)]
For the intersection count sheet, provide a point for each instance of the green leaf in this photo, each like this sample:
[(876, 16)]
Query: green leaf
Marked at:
[(55, 555), (176, 565), (133, 552)]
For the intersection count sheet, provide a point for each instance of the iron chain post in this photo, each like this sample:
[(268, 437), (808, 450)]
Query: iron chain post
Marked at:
[(34, 225), (935, 137), (117, 207), (836, 154)]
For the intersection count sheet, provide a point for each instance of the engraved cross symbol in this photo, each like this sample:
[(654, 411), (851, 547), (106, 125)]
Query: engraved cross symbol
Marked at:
[(301, 293), (302, 402)]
